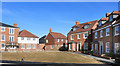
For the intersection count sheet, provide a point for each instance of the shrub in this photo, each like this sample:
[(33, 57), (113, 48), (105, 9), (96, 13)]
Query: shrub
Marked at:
[(63, 48)]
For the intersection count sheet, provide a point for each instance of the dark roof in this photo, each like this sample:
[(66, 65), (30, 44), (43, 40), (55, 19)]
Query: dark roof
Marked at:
[(42, 39), (81, 29), (57, 35), (25, 33), (6, 25), (109, 23)]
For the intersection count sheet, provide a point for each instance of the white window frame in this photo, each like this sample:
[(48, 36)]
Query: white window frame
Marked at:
[(57, 45), (101, 33), (84, 36), (28, 38), (66, 41), (2, 28), (70, 48), (85, 46), (57, 40), (34, 39), (65, 45), (61, 45), (106, 31), (117, 30), (46, 41), (2, 47), (95, 35), (51, 46), (2, 39), (78, 36), (22, 38), (92, 47), (62, 40), (11, 30), (28, 46), (117, 48), (107, 47), (96, 47), (23, 46), (72, 37), (33, 46), (12, 38), (73, 47)]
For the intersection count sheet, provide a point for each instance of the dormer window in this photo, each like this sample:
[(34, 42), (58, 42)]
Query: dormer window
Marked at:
[(115, 16), (86, 26), (75, 28), (103, 22)]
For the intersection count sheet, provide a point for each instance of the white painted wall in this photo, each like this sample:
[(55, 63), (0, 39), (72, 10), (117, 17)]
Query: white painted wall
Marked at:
[(31, 41)]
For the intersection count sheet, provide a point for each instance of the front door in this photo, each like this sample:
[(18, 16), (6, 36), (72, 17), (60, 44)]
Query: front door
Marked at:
[(78, 47), (101, 48)]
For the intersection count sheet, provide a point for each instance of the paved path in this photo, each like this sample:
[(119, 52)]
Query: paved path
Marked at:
[(112, 61)]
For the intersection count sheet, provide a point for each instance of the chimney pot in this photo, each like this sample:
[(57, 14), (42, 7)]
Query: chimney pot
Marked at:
[(15, 24), (50, 30), (77, 22)]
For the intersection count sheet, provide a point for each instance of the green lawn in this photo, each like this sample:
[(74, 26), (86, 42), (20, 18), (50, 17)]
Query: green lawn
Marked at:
[(56, 57)]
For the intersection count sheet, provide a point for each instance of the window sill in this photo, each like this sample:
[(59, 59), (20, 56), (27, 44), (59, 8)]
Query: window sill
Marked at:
[(2, 40), (117, 34), (28, 48), (2, 48), (107, 35), (101, 37)]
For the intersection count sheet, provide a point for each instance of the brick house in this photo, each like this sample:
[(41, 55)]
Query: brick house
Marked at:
[(54, 40), (27, 41), (106, 35), (80, 36), (8, 37)]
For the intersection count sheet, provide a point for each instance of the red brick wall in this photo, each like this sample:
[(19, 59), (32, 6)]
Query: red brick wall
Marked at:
[(53, 41), (6, 33)]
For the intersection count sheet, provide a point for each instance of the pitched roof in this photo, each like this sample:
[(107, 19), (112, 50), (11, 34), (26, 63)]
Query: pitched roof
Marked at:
[(81, 29), (105, 18), (57, 35), (116, 12), (6, 25), (25, 33)]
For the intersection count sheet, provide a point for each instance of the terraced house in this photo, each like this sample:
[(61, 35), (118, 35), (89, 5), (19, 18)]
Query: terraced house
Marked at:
[(107, 34), (80, 36), (54, 40), (8, 37)]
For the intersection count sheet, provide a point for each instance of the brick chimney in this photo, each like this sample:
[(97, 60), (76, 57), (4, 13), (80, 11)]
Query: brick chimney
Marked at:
[(77, 22), (107, 14), (15, 24), (50, 30)]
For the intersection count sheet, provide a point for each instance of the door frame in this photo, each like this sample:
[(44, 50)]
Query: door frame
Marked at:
[(101, 47), (78, 46)]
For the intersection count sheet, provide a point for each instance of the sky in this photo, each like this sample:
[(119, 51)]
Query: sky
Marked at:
[(39, 17)]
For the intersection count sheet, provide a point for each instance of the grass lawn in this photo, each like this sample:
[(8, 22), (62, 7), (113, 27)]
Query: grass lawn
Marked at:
[(56, 57)]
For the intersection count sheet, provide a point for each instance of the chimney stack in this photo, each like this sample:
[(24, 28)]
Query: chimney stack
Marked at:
[(77, 22), (50, 30), (107, 14), (15, 24)]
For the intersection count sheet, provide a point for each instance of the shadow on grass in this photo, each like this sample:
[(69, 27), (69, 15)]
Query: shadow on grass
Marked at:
[(25, 63)]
